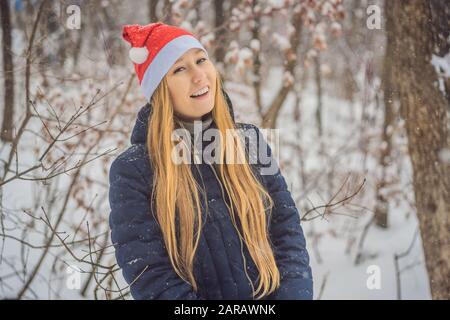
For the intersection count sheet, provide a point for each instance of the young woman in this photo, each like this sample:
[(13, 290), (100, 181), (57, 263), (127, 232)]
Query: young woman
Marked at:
[(198, 229)]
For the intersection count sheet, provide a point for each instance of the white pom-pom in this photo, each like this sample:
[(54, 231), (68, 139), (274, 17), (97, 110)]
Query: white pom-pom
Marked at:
[(138, 55)]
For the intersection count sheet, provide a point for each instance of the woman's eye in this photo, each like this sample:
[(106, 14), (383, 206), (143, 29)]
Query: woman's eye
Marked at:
[(198, 61), (176, 71)]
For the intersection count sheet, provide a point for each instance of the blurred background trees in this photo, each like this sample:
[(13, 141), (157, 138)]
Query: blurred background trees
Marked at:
[(360, 91)]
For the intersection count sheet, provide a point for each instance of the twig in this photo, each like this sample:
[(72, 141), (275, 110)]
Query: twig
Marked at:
[(361, 240), (330, 205), (397, 257), (322, 286)]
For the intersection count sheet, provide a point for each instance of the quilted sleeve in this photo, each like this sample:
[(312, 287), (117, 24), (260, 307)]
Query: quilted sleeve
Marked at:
[(137, 238), (285, 232)]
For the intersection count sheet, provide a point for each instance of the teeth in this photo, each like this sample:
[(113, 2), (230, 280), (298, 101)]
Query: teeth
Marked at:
[(200, 92)]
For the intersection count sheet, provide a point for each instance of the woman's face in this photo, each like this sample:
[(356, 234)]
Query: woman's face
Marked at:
[(192, 74)]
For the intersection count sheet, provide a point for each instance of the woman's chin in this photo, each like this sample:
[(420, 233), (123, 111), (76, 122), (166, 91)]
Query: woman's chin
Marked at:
[(200, 110)]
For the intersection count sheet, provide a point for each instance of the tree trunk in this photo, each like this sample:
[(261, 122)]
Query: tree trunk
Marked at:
[(219, 20), (425, 111), (257, 59), (318, 82), (167, 12), (197, 6), (440, 11), (152, 10), (382, 205), (8, 71), (270, 117)]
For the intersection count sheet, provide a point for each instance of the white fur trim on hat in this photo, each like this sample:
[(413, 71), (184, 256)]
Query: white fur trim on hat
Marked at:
[(138, 55)]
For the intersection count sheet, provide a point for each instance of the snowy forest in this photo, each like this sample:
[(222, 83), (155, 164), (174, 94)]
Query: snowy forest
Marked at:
[(360, 93)]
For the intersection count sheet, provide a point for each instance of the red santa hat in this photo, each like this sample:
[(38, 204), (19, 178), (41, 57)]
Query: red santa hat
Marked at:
[(154, 49)]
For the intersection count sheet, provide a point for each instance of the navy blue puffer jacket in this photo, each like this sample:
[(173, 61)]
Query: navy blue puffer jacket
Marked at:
[(219, 264)]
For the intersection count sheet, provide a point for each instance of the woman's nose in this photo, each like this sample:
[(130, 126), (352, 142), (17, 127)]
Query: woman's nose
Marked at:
[(197, 75)]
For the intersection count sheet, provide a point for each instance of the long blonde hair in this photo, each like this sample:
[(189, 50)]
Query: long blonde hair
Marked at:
[(176, 192)]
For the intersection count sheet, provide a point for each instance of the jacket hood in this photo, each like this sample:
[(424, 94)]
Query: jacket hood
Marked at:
[(139, 134)]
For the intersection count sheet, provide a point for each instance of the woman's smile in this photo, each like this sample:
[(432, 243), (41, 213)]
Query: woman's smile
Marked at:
[(203, 95)]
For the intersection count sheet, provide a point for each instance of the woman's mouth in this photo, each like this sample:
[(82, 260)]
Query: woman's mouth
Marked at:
[(203, 94)]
